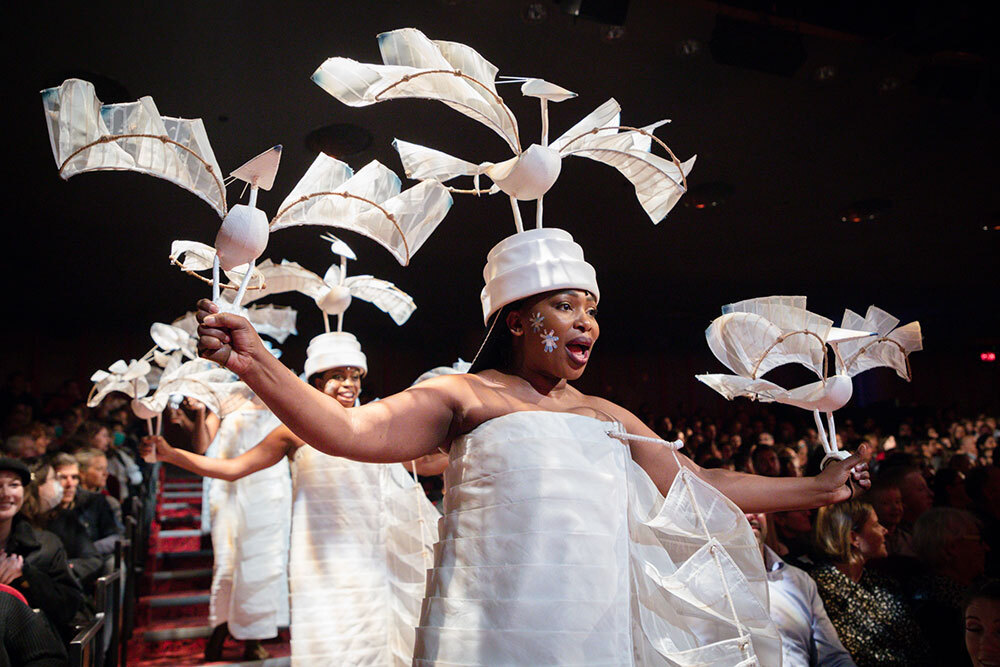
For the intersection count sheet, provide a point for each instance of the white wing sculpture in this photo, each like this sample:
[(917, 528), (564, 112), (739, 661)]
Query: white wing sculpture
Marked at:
[(128, 378), (333, 292), (757, 335), (219, 389), (417, 67), (890, 348), (87, 135), (369, 202)]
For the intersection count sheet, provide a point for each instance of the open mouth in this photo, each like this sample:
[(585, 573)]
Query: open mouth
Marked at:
[(579, 350)]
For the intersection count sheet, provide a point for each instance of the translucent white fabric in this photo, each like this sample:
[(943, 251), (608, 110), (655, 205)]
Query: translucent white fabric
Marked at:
[(360, 550), (555, 548), (250, 531)]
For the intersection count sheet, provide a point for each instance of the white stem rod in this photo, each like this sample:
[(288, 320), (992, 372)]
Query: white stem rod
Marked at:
[(545, 121), (538, 213), (340, 322), (517, 215), (244, 284), (326, 321), (215, 278), (253, 197), (343, 269)]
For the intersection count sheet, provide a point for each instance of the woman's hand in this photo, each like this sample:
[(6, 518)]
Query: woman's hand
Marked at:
[(225, 338), (10, 567), (840, 478), (154, 447)]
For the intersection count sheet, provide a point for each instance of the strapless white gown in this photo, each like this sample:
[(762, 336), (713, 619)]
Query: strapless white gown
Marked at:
[(556, 548), (360, 550), (250, 530)]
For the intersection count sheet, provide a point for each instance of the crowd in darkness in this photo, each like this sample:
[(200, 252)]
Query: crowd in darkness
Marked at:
[(901, 574)]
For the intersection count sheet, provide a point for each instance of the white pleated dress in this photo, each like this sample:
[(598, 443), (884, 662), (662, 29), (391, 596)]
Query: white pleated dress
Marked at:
[(250, 531), (361, 544), (557, 549)]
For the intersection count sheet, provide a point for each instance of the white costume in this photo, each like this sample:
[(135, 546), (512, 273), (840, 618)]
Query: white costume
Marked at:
[(556, 548), (361, 536), (250, 527)]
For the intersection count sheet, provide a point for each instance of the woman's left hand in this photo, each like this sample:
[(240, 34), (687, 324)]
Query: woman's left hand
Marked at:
[(842, 478)]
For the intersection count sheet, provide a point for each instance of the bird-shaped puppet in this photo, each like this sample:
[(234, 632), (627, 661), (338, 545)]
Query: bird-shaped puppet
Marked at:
[(87, 135), (755, 336), (417, 67)]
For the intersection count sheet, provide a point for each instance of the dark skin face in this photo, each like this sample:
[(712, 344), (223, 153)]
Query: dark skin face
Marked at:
[(553, 334), (343, 383)]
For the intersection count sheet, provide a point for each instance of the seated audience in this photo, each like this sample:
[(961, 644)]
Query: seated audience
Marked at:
[(872, 620), (26, 640), (916, 496), (94, 476), (949, 544), (808, 638), (33, 561), (982, 625)]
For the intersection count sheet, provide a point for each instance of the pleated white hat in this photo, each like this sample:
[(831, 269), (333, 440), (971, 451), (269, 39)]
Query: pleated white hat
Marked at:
[(333, 350)]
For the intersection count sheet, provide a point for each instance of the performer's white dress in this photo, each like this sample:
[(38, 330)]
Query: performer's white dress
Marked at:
[(250, 531), (556, 548), (360, 551)]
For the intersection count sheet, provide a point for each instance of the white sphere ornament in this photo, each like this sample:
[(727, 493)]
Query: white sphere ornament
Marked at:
[(141, 411), (242, 237), (335, 301), (529, 175)]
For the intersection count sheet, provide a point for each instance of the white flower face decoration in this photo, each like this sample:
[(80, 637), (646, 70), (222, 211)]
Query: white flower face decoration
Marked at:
[(549, 339), (536, 321)]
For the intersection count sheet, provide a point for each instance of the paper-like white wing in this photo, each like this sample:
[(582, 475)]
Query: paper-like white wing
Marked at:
[(88, 136), (417, 68), (890, 348), (658, 181), (608, 115), (278, 322), (193, 256), (826, 396), (286, 277), (807, 347), (129, 379), (383, 295), (219, 389), (422, 163), (370, 203), (741, 340), (171, 338)]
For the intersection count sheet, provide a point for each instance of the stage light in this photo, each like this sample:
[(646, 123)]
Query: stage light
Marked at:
[(534, 12), (688, 47), (707, 195), (867, 210), (987, 356)]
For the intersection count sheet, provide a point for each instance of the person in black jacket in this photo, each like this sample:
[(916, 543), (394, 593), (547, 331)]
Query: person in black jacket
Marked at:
[(26, 639), (33, 561)]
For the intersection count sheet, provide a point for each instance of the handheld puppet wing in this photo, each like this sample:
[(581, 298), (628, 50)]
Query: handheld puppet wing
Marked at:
[(369, 203), (129, 379), (891, 347), (418, 68), (278, 322), (826, 396), (802, 334), (421, 163), (383, 295), (192, 257), (219, 389), (286, 277), (88, 136), (174, 339)]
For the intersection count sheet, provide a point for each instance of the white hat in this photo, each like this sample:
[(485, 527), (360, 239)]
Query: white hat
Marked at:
[(532, 262), (334, 350)]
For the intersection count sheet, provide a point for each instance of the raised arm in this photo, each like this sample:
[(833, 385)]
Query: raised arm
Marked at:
[(752, 493), (264, 454), (205, 426), (402, 427)]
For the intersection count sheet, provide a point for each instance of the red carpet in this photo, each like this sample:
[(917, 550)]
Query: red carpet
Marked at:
[(172, 614)]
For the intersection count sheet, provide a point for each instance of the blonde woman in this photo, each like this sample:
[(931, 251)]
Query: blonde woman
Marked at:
[(873, 622)]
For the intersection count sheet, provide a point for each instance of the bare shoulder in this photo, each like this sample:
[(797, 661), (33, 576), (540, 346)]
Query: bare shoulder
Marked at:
[(631, 423)]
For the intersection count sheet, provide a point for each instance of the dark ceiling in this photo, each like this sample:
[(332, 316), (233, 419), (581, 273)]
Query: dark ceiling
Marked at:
[(878, 109)]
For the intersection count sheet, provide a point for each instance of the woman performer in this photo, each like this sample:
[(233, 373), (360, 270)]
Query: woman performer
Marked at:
[(555, 545), (361, 534)]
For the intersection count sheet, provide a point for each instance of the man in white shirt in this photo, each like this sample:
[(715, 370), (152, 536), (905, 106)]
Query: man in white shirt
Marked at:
[(808, 638)]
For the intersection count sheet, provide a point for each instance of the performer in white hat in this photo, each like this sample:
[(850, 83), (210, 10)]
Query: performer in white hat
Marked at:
[(558, 544), (361, 533)]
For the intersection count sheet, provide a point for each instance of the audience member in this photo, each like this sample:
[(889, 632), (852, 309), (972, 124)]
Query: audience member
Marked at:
[(949, 544), (916, 496), (982, 625), (765, 460), (26, 640), (872, 620), (808, 638), (33, 561)]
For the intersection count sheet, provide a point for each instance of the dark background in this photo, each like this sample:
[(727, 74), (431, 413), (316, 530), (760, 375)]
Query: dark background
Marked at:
[(797, 112)]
